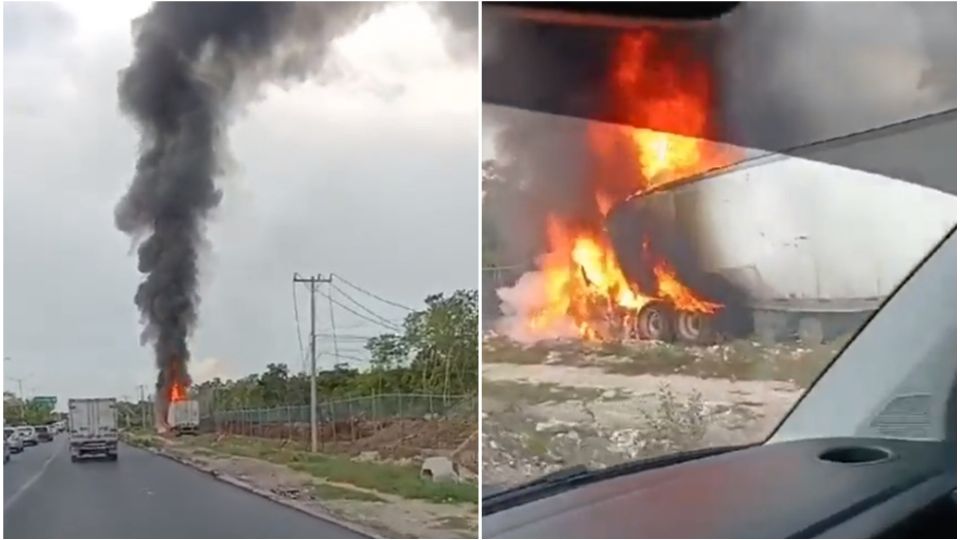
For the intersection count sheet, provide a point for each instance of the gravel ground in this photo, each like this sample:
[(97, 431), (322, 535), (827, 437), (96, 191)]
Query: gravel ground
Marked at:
[(556, 405)]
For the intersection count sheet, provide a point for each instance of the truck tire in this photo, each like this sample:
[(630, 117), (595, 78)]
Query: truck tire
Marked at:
[(74, 458), (694, 327), (112, 457), (655, 321)]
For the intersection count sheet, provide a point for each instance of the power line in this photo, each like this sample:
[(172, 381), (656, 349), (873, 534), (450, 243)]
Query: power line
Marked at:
[(368, 293), (354, 326), (387, 325), (296, 317), (347, 337), (363, 307), (348, 357)]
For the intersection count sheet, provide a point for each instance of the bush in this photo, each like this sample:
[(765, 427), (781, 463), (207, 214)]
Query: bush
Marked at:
[(676, 426)]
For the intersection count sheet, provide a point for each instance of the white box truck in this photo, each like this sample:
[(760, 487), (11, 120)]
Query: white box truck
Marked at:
[(93, 427), (183, 417)]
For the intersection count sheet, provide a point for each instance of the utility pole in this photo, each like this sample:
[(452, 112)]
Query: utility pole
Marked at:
[(312, 282), (143, 411), (23, 399)]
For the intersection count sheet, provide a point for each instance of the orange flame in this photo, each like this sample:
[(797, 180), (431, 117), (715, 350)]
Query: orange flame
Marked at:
[(656, 86), (178, 392), (669, 287), (582, 278), (665, 85)]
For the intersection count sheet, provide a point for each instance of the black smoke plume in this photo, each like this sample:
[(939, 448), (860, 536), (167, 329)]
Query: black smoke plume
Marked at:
[(194, 64)]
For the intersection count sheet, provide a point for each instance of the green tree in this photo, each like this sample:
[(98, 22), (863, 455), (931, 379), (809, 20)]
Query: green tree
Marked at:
[(436, 352)]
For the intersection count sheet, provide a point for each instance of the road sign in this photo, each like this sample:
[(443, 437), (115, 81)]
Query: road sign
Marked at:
[(47, 401)]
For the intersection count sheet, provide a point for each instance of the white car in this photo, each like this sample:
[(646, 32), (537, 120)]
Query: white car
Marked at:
[(12, 440), (28, 435)]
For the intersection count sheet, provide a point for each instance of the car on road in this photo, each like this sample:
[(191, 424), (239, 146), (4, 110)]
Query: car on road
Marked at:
[(28, 435), (12, 440), (44, 434), (6, 451)]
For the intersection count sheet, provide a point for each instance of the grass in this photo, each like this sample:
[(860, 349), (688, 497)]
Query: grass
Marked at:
[(735, 360), (538, 392), (401, 480), (142, 440)]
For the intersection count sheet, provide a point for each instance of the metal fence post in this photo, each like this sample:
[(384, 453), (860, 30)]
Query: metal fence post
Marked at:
[(353, 431)]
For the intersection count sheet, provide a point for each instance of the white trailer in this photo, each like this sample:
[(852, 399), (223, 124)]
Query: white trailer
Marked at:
[(815, 247), (93, 427), (183, 417)]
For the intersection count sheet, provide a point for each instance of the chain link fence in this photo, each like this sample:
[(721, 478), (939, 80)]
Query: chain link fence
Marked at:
[(387, 418)]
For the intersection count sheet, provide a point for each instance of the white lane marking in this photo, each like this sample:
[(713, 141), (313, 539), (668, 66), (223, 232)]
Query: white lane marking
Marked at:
[(33, 480)]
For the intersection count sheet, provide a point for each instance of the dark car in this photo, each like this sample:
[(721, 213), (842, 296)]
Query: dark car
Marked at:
[(44, 434)]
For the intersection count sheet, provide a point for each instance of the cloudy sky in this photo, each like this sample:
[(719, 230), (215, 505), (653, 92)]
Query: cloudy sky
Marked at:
[(373, 177)]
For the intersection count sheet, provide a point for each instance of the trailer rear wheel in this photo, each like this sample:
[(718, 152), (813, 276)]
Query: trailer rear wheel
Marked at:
[(694, 327), (655, 322)]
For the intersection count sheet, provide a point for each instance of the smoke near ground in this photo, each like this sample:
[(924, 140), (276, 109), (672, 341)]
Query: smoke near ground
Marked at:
[(195, 65)]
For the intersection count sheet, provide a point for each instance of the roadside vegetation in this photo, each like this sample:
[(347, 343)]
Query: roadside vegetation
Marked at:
[(337, 475), (31, 412), (435, 352), (402, 480), (735, 360)]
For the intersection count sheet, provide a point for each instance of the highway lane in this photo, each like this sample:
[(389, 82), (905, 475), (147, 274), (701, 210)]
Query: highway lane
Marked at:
[(141, 495)]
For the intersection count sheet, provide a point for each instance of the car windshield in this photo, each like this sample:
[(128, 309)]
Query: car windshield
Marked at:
[(41, 429), (647, 293)]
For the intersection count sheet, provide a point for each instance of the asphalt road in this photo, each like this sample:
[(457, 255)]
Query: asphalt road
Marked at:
[(141, 495)]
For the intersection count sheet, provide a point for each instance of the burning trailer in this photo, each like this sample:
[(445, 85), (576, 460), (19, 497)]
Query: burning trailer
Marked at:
[(669, 235), (779, 248), (176, 414), (792, 248)]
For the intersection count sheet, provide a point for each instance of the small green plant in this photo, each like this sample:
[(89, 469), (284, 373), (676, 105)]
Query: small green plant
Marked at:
[(675, 426)]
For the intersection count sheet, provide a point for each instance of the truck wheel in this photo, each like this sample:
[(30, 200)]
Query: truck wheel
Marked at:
[(74, 458), (655, 322), (112, 457), (694, 327), (810, 331)]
